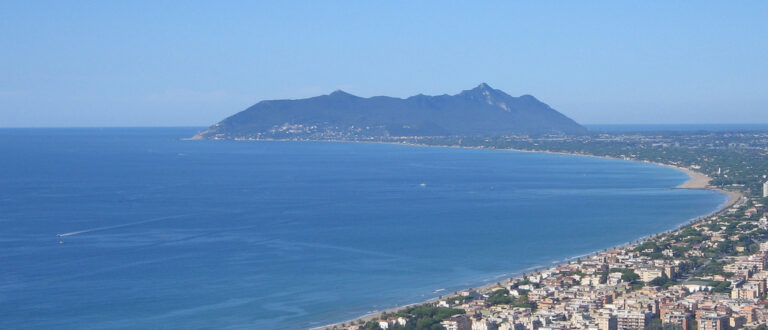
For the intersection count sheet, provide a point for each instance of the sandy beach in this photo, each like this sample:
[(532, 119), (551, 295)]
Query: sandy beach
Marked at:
[(697, 180)]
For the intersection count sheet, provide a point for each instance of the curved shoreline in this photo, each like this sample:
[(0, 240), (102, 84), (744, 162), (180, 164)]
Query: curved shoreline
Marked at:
[(696, 181)]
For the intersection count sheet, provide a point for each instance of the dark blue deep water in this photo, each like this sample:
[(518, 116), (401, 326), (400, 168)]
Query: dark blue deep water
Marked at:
[(157, 232)]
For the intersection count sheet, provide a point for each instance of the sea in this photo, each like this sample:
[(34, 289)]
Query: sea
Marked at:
[(132, 228)]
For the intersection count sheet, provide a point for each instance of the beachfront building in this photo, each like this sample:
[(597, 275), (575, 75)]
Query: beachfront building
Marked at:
[(457, 322), (391, 322)]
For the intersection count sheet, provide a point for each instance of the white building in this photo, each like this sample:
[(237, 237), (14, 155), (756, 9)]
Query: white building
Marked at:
[(483, 324), (765, 189), (649, 274), (457, 322), (627, 320)]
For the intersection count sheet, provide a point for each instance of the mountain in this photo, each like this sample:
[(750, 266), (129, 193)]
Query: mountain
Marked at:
[(340, 115)]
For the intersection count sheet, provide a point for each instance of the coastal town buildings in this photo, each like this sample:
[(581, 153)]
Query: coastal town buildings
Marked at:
[(457, 322), (682, 319), (712, 321), (628, 319)]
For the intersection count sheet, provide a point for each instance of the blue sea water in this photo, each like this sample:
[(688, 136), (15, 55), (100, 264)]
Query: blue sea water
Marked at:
[(135, 228)]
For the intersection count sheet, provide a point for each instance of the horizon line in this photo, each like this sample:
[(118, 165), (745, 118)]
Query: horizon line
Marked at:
[(208, 125)]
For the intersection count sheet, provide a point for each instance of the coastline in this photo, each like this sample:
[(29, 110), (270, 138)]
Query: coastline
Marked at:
[(696, 181)]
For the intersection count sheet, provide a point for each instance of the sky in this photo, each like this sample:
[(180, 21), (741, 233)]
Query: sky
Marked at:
[(188, 63)]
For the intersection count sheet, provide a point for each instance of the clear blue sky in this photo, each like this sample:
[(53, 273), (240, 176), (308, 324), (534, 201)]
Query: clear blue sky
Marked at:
[(155, 63)]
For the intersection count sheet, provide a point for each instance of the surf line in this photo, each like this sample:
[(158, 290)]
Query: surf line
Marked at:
[(120, 226)]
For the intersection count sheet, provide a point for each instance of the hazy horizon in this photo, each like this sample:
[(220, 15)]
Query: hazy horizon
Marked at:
[(589, 126), (147, 64)]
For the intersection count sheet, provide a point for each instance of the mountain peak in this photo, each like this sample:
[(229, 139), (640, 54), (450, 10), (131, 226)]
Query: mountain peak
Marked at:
[(483, 86), (341, 93), (486, 94), (483, 89)]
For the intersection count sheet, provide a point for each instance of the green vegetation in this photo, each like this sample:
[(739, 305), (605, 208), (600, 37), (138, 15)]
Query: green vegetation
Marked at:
[(685, 267), (459, 299), (648, 245), (714, 268), (723, 286), (419, 317), (502, 297), (571, 273), (662, 281), (656, 324), (525, 282), (627, 275), (637, 286)]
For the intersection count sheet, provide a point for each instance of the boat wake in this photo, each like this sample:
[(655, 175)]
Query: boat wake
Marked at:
[(121, 225)]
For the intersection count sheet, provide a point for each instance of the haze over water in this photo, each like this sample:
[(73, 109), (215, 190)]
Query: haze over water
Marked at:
[(135, 228)]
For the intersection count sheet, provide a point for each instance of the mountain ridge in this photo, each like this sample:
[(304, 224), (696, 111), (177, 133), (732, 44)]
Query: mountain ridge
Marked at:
[(482, 110)]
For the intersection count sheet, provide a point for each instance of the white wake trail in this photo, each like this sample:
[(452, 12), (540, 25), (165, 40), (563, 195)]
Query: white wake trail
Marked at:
[(121, 225)]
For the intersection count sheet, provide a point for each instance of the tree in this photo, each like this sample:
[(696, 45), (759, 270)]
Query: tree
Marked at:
[(655, 324), (629, 276)]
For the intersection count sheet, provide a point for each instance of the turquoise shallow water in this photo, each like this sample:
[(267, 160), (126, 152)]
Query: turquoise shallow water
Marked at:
[(157, 232)]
